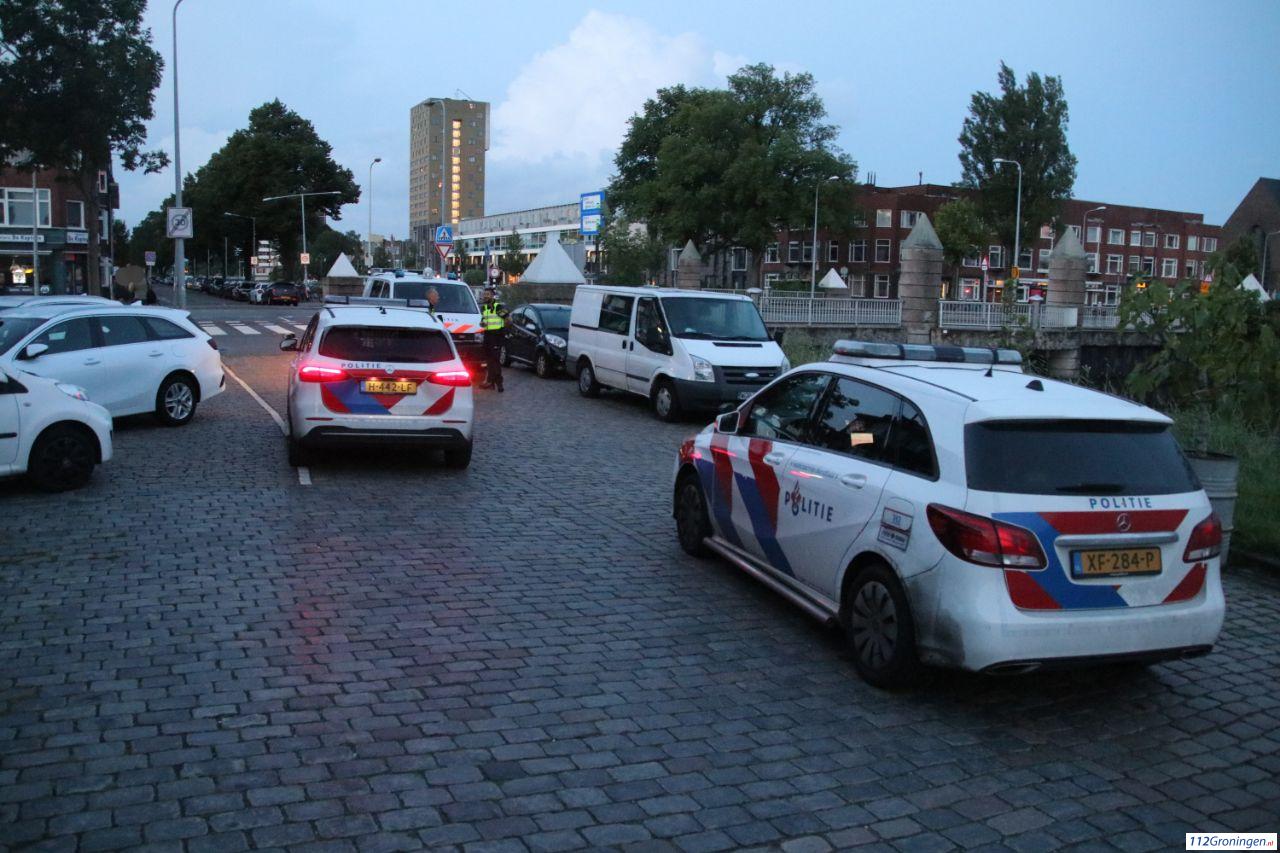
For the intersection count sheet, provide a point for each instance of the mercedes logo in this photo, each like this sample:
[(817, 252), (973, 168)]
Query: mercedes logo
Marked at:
[(391, 370), (1123, 522)]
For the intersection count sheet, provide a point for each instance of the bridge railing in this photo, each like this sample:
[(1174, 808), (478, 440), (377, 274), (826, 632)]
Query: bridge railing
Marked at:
[(803, 311), (996, 315)]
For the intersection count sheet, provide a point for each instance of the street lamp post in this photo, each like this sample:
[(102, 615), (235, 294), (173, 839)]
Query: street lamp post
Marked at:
[(1266, 244), (368, 237), (1084, 235), (1017, 224), (302, 197), (179, 249), (813, 260)]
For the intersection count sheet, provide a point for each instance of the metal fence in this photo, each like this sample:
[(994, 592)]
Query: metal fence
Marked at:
[(996, 315), (1100, 317), (803, 311)]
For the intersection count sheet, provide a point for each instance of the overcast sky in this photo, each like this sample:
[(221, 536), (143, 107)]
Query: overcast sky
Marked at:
[(1174, 104)]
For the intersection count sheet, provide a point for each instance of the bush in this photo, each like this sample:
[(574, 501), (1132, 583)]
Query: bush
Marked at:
[(474, 277)]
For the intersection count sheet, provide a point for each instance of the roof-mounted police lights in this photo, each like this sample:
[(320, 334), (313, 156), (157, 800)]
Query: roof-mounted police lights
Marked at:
[(864, 352), (333, 299)]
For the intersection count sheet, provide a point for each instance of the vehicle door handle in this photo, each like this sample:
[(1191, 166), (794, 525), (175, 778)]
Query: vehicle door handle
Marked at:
[(854, 481), (93, 361), (154, 354), (624, 344), (774, 458)]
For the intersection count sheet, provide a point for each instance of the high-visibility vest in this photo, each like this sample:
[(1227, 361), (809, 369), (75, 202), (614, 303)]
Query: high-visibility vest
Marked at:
[(490, 319)]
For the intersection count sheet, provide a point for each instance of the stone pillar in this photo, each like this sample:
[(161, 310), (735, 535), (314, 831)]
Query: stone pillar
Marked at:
[(920, 282), (689, 268), (1064, 363), (1067, 269)]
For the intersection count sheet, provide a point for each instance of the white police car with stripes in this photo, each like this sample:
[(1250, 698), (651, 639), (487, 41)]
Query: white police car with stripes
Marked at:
[(945, 508)]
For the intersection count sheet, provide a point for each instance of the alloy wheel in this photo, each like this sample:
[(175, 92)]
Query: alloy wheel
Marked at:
[(873, 623)]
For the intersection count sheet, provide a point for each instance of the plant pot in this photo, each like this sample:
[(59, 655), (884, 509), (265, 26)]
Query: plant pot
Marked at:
[(1218, 474)]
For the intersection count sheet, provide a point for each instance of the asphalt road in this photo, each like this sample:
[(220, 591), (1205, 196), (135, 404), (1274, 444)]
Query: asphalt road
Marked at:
[(200, 650)]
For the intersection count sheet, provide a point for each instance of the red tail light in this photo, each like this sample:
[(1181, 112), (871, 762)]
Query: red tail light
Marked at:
[(1206, 540), (321, 373), (211, 342), (456, 378), (981, 540)]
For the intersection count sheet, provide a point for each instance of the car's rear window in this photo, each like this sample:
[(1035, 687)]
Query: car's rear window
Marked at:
[(385, 343), (1075, 457)]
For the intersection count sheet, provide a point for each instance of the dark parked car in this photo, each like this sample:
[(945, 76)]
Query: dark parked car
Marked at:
[(538, 335), (241, 291), (281, 293)]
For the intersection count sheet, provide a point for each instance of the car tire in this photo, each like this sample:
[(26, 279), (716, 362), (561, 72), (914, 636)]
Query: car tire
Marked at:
[(879, 627), (666, 405), (587, 384), (504, 356), (542, 365), (62, 458), (693, 525), (460, 458), (176, 400)]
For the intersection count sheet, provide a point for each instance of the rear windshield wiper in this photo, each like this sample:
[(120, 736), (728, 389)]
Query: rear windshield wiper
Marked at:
[(1092, 488)]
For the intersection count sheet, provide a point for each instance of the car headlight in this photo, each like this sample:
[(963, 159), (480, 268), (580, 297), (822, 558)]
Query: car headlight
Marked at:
[(556, 341), (703, 371), (786, 365), (73, 391)]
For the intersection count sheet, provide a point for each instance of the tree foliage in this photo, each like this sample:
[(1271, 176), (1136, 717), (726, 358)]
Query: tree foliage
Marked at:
[(77, 81), (1027, 124), (328, 244), (634, 256), (961, 230), (727, 167), (1234, 261), (512, 263)]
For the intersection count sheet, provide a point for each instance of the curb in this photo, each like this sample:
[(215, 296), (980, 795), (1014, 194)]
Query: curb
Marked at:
[(1257, 559)]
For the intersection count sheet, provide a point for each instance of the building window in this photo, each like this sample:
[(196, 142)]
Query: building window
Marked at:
[(1172, 241), (1024, 259), (1093, 261), (75, 214), (859, 218), (1168, 267), (1149, 266), (833, 252), (971, 261), (771, 279), (1135, 263), (771, 253), (1115, 263), (858, 284), (1046, 232), (884, 218), (858, 252), (1149, 239), (995, 257), (882, 287), (1192, 242), (1094, 234), (1191, 270), (884, 250), (739, 259), (1210, 244), (793, 252), (1045, 254), (1075, 229), (1135, 238), (806, 252), (15, 207), (970, 289), (1115, 236), (908, 218)]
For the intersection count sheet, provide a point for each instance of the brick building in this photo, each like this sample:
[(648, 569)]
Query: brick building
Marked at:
[(1258, 217), (63, 233), (448, 139), (1121, 241)]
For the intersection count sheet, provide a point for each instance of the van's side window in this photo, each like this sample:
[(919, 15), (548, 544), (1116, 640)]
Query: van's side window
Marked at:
[(615, 314), (650, 331)]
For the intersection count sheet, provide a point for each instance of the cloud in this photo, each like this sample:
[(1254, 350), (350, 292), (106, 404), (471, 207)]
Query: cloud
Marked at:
[(140, 194)]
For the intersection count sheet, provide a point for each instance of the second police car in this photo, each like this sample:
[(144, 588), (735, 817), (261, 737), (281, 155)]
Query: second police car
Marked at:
[(948, 510), (378, 374)]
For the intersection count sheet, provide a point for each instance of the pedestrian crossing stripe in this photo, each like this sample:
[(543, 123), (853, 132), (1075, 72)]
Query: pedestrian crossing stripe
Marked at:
[(270, 327), (251, 327), (243, 329), (211, 329)]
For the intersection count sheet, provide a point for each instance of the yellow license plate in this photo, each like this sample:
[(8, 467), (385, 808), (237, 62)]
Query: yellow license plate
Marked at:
[(1127, 561), (389, 386)]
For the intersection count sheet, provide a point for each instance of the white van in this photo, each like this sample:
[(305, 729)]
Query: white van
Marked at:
[(686, 350), (457, 308)]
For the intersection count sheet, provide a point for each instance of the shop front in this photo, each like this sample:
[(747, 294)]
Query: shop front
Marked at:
[(62, 255)]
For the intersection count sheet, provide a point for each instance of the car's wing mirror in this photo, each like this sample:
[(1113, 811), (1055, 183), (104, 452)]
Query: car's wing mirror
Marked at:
[(728, 422), (34, 351), (289, 344), (778, 335)]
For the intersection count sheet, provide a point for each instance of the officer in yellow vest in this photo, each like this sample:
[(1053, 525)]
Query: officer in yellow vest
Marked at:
[(493, 320)]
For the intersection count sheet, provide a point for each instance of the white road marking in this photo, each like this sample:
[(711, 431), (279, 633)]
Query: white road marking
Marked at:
[(299, 327), (243, 329), (304, 473), (212, 329), (273, 328)]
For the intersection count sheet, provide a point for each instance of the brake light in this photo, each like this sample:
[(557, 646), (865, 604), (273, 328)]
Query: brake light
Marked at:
[(984, 541), (455, 378), (1205, 541), (211, 342), (320, 373)]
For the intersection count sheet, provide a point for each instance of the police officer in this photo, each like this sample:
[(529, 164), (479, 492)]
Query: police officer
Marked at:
[(493, 320), (433, 299)]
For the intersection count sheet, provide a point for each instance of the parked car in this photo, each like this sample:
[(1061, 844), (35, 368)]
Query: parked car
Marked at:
[(281, 293), (686, 350), (8, 303), (240, 293), (256, 292), (50, 431), (538, 335), (129, 359), (211, 285)]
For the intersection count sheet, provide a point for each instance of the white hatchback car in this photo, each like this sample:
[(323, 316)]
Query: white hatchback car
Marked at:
[(951, 511), (378, 374), (50, 431), (129, 359)]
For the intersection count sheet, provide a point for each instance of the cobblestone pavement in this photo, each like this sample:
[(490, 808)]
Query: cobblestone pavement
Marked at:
[(198, 652)]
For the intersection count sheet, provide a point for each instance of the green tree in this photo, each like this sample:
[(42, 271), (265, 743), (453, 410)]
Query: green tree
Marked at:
[(961, 230), (474, 277), (512, 261), (1230, 264), (120, 241), (1027, 124), (634, 256), (381, 258), (328, 244), (726, 167), (77, 80)]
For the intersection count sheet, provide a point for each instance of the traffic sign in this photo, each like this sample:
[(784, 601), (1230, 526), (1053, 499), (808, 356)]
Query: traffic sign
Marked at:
[(179, 223), (986, 264), (493, 273), (591, 212), (444, 249), (150, 258), (444, 235), (253, 261), (1014, 272), (306, 258)]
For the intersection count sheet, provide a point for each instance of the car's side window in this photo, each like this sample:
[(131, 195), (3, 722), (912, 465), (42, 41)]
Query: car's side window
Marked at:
[(163, 330), (911, 445), (121, 329), (857, 420), (783, 411), (615, 314), (309, 335), (67, 337)]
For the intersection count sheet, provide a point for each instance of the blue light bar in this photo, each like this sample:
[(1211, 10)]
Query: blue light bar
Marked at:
[(924, 352)]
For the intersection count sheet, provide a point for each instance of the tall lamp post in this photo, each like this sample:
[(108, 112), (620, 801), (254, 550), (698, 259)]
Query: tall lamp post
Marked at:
[(302, 197), (253, 226), (1266, 243), (368, 235), (1017, 216), (813, 265), (179, 249), (1084, 235)]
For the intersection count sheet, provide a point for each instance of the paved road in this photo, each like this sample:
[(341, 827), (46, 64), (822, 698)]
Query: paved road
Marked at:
[(199, 651)]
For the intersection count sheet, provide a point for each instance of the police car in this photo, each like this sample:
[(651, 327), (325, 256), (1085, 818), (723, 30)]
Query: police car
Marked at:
[(945, 508), (378, 374), (456, 307)]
